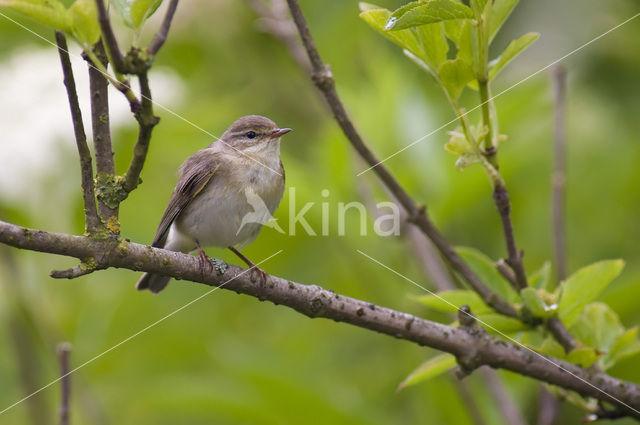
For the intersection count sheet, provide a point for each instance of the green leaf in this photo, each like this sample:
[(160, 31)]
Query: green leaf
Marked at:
[(551, 347), (494, 322), (499, 13), (377, 18), (467, 159), (540, 278), (85, 27), (421, 13), (583, 357), (48, 12), (434, 44), (513, 49), (141, 10), (454, 75), (534, 302), (598, 326), (625, 345), (430, 369), (483, 266), (123, 9), (450, 301), (584, 286)]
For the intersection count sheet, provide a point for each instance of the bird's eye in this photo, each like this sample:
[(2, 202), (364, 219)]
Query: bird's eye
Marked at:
[(251, 135)]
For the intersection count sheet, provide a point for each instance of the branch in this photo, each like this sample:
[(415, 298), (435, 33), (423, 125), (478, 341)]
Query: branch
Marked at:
[(323, 79), (146, 122), (161, 35), (509, 410), (501, 198), (559, 173), (109, 39), (102, 141), (64, 349), (92, 222), (275, 20), (475, 348)]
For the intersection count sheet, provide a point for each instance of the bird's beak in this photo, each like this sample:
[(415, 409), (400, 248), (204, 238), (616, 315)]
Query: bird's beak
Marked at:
[(279, 132)]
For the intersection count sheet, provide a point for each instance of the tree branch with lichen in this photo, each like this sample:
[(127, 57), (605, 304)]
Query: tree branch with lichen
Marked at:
[(470, 344)]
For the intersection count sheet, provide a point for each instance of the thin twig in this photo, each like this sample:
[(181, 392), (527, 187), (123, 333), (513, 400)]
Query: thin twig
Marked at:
[(275, 20), (474, 347), (504, 401), (559, 76), (161, 35), (92, 222), (468, 401), (548, 407), (146, 122), (501, 198), (323, 79), (102, 136), (506, 272), (64, 349), (109, 39), (72, 273)]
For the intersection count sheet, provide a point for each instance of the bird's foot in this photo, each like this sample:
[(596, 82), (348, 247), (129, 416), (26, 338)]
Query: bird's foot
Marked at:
[(206, 264), (258, 273)]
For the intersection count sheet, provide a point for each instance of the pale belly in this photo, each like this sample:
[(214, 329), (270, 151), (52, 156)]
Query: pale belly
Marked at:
[(222, 215)]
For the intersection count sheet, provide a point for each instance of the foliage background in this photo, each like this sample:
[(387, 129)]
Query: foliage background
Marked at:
[(231, 359)]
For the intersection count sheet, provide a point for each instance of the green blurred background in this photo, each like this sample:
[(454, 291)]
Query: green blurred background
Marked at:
[(230, 359)]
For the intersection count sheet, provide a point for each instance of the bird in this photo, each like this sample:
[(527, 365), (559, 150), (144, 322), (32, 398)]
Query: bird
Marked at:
[(215, 196)]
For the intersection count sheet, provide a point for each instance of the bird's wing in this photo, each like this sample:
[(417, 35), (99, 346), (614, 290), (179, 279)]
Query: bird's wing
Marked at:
[(195, 173)]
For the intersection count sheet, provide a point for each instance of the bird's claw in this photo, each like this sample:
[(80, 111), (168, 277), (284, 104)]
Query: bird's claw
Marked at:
[(258, 273)]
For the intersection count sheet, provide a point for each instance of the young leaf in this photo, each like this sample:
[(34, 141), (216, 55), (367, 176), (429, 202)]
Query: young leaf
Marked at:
[(485, 269), (532, 300), (467, 159), (85, 27), (450, 301), (513, 49), (584, 286), (123, 8), (499, 13), (421, 13), (583, 357), (551, 347), (540, 278), (430, 369), (598, 326), (377, 18), (625, 345), (434, 44), (51, 13), (454, 75), (494, 322), (141, 10)]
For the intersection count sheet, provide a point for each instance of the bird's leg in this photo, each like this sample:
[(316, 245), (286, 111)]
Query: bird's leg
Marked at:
[(255, 270), (203, 259)]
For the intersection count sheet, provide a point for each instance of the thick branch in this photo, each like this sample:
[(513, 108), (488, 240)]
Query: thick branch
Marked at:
[(559, 174), (102, 135), (109, 38), (314, 301), (146, 122), (63, 357), (161, 35), (92, 222), (323, 79)]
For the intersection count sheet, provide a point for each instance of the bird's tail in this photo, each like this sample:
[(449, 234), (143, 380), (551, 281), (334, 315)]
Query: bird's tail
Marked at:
[(153, 282)]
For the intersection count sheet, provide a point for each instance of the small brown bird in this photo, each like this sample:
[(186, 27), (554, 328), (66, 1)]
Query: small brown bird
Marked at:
[(211, 201)]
